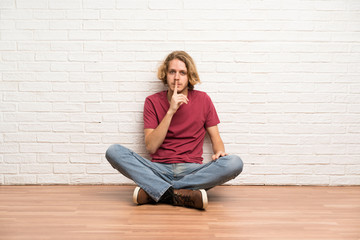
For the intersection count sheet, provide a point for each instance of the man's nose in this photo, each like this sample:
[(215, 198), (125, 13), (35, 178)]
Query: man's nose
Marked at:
[(177, 75)]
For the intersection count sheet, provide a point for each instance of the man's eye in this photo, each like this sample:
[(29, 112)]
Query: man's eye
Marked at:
[(172, 72), (183, 73)]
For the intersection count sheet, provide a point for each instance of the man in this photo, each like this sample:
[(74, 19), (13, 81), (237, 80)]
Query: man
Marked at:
[(175, 124)]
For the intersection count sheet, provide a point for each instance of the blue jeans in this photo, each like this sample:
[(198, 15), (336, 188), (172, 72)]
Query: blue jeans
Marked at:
[(157, 178)]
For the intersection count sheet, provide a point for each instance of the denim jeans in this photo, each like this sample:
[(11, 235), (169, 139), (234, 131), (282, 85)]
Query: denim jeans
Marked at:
[(157, 178)]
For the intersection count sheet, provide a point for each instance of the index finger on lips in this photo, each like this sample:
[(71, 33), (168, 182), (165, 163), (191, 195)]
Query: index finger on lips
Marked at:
[(175, 88)]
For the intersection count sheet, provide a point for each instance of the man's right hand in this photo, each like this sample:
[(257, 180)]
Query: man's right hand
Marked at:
[(177, 100)]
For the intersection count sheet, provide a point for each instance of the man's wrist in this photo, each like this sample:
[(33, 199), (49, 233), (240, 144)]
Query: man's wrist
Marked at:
[(170, 112)]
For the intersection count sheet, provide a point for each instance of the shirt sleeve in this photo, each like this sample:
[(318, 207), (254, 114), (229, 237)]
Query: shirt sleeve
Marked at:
[(212, 118), (149, 115)]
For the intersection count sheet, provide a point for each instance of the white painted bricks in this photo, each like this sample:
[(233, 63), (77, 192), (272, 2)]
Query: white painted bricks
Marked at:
[(284, 77)]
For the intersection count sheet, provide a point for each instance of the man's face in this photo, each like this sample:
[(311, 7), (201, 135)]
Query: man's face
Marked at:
[(177, 72)]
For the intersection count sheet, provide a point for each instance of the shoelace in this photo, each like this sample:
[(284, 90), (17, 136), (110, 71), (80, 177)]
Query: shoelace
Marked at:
[(184, 200)]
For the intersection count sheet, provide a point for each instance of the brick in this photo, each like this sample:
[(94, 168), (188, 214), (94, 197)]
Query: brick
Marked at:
[(23, 179), (85, 77), (330, 170), (320, 159), (344, 180), (124, 139), (101, 67), (8, 67), (280, 180), (355, 108), (86, 179), (313, 180), (7, 4), (99, 4), (32, 25), (16, 14), (32, 4), (63, 46), (19, 137), (85, 158), (52, 97), (51, 56), (33, 46), (34, 66), (102, 87), (117, 179), (352, 170), (67, 67), (8, 169), (98, 25), (35, 86), (68, 127), (116, 57), (65, 4), (66, 87), (65, 24), (68, 148), (85, 138), (83, 14), (51, 117), (101, 127), (85, 117), (35, 147), (118, 117), (115, 14), (99, 169), (84, 35), (54, 76), (137, 4), (36, 168), (7, 45), (8, 127), (19, 56), (7, 107), (47, 14), (95, 149), (19, 158), (101, 107), (53, 179), (118, 77), (52, 138), (151, 15), (67, 168), (162, 4), (49, 35), (9, 148), (53, 158), (84, 57)]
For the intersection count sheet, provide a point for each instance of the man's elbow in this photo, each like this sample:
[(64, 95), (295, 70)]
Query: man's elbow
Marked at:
[(151, 149)]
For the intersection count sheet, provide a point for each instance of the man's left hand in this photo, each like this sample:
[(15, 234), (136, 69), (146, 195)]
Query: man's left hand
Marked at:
[(218, 155)]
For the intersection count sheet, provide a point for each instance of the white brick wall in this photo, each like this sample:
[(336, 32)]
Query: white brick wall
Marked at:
[(284, 76)]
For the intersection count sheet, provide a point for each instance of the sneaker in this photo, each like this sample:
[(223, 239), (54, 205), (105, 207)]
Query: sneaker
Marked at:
[(141, 197), (190, 198)]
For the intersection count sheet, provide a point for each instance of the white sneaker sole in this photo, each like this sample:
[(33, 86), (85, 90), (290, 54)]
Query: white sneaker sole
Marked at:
[(204, 198), (135, 195)]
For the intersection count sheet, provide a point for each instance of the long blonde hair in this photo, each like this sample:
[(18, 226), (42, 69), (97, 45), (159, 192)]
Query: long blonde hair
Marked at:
[(192, 73)]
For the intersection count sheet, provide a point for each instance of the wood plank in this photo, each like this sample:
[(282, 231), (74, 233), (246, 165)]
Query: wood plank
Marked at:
[(234, 212)]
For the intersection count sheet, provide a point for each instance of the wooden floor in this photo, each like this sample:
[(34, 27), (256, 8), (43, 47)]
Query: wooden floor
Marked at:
[(234, 212)]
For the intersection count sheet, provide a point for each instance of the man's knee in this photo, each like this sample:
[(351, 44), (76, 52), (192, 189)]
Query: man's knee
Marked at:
[(235, 163), (113, 151)]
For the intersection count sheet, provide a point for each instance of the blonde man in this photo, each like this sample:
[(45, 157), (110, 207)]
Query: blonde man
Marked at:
[(175, 124)]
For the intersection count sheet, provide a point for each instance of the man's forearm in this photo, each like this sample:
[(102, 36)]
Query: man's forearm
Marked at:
[(155, 138), (218, 146)]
